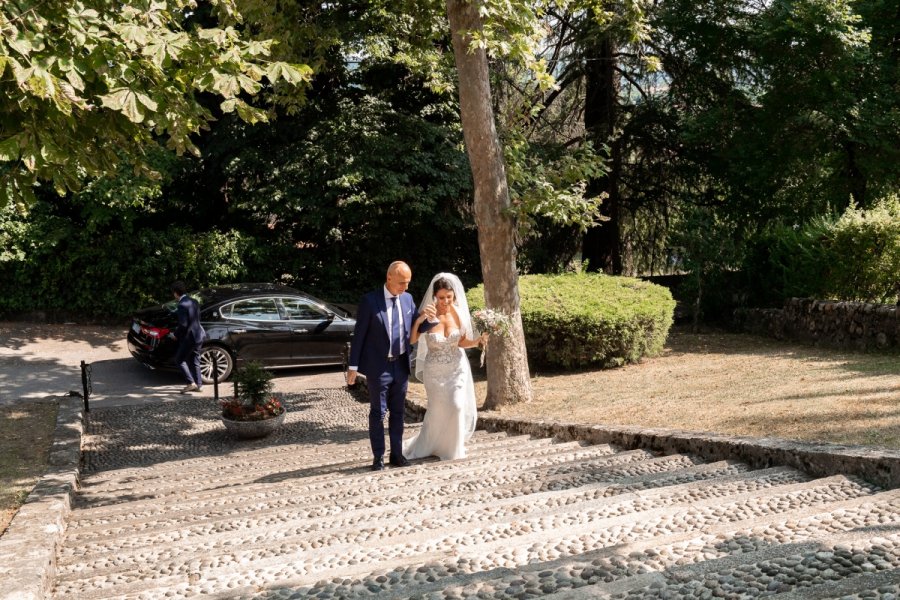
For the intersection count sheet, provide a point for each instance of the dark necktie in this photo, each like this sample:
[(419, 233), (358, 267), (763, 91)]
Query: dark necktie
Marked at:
[(395, 328)]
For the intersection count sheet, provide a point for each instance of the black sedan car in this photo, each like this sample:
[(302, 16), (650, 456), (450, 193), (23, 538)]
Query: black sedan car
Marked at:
[(275, 325)]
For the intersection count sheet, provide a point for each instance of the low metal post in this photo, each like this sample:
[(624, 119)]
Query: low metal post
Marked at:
[(86, 385), (215, 375)]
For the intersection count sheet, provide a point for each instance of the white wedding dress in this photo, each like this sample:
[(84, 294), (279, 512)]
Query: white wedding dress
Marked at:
[(450, 416)]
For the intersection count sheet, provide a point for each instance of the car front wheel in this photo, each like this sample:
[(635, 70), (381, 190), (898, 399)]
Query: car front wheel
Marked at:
[(215, 357)]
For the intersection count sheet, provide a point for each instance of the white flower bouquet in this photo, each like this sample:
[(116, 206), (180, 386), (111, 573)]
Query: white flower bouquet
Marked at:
[(492, 322)]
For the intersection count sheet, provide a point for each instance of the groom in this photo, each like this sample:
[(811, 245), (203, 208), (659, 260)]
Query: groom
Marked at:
[(380, 351)]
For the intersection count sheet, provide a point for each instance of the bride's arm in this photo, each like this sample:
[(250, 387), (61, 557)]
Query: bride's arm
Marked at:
[(417, 326), (465, 342)]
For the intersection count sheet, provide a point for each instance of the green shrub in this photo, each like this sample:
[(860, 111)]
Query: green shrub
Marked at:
[(582, 320), (864, 254), (852, 257), (49, 264)]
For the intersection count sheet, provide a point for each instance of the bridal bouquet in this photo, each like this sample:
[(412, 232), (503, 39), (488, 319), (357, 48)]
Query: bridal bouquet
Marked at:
[(492, 322)]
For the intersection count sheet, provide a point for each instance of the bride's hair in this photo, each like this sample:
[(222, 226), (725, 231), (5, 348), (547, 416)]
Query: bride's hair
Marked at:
[(441, 283)]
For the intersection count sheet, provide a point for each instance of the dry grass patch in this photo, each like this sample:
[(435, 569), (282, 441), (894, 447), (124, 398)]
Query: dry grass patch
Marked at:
[(26, 434), (731, 383)]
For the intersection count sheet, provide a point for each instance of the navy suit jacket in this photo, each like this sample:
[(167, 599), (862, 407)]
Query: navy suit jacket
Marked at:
[(189, 321), (371, 339)]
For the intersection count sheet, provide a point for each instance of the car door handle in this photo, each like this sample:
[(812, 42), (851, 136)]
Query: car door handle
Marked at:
[(301, 331), (238, 331)]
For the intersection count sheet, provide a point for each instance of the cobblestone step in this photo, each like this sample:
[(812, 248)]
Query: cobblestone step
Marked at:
[(300, 516), (325, 469), (325, 486), (478, 512), (641, 564), (408, 581), (273, 457), (360, 512), (345, 503), (881, 585), (780, 569), (351, 550), (221, 469)]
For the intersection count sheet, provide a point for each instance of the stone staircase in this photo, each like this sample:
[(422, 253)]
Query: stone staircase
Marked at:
[(301, 516)]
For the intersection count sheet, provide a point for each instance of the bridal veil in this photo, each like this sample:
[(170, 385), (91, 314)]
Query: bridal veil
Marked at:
[(461, 305)]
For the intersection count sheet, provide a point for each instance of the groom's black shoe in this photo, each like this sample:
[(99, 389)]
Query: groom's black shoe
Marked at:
[(398, 460), (378, 464)]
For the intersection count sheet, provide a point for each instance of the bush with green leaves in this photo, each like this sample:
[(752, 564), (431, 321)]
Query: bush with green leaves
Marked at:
[(579, 320), (852, 257), (51, 263), (253, 399)]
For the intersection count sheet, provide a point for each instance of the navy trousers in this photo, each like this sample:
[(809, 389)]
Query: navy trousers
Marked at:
[(187, 357), (387, 395)]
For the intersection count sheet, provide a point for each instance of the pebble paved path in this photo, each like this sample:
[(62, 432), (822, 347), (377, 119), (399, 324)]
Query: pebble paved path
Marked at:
[(170, 507)]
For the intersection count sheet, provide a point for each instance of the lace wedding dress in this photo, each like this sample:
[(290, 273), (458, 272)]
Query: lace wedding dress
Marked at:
[(450, 416)]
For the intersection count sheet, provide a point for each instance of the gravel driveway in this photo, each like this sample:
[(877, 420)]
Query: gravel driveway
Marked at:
[(39, 360)]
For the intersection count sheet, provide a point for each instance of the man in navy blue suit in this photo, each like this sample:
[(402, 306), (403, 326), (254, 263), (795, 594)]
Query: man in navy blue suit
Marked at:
[(189, 334), (380, 351)]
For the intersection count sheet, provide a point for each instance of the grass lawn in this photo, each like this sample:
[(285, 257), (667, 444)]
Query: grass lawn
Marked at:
[(729, 383), (26, 434)]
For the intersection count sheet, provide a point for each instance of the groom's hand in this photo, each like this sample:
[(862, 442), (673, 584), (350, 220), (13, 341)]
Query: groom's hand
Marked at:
[(351, 377)]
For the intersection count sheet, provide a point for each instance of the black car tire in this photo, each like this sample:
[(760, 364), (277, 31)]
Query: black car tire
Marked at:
[(226, 363)]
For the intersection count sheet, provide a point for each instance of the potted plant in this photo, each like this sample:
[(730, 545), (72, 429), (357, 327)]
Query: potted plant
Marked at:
[(253, 411)]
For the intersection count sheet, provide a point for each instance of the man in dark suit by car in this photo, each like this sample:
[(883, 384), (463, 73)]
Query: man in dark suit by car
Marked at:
[(380, 351), (189, 334)]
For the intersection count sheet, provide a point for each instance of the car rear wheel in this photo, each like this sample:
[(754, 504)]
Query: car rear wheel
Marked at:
[(209, 356)]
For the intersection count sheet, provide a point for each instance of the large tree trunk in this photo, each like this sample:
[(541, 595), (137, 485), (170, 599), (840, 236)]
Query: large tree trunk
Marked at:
[(508, 379), (602, 247)]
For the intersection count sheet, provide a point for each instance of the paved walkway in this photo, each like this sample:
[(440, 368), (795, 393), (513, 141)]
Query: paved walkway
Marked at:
[(39, 360), (170, 507)]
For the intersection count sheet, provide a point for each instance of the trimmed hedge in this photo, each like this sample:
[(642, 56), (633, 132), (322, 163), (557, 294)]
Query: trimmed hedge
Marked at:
[(582, 320)]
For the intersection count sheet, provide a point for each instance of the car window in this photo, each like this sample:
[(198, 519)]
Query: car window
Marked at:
[(252, 309), (300, 309)]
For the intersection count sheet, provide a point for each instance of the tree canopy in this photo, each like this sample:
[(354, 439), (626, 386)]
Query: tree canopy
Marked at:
[(696, 128), (87, 84)]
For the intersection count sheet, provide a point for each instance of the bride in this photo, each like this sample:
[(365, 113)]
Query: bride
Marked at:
[(441, 364)]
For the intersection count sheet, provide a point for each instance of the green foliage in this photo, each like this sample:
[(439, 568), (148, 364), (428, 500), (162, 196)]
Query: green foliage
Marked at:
[(581, 320), (761, 113), (852, 257), (51, 263), (364, 175), (253, 399), (708, 246), (253, 383), (86, 84), (549, 184), (764, 112)]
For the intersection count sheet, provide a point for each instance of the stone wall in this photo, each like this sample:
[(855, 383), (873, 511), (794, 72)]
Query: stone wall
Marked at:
[(28, 549), (843, 325)]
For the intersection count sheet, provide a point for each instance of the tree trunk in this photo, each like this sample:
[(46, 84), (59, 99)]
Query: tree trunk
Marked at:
[(508, 379), (856, 179), (601, 246)]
